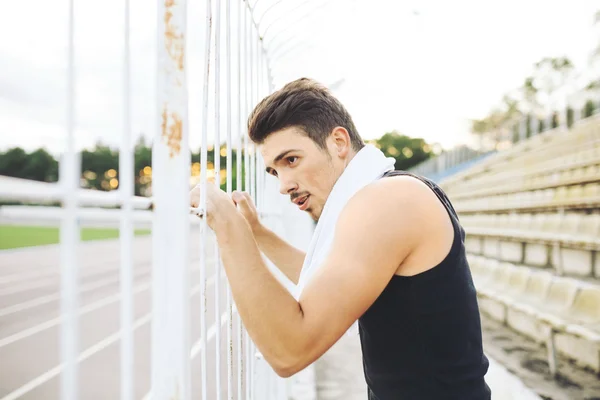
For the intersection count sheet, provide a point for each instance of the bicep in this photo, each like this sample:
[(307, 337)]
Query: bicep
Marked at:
[(371, 240)]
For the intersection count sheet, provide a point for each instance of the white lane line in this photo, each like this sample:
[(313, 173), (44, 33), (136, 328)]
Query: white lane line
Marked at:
[(7, 256), (90, 351), (56, 296), (210, 334), (50, 271), (82, 311), (55, 321), (53, 281)]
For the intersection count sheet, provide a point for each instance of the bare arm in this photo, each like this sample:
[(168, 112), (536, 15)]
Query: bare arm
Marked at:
[(291, 334), (286, 257)]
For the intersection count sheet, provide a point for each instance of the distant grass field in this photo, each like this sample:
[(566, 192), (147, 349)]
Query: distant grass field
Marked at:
[(15, 236)]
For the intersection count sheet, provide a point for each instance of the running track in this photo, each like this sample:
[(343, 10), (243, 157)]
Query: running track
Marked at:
[(30, 324)]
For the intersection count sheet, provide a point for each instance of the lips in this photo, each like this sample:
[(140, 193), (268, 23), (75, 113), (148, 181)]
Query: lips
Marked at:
[(302, 202)]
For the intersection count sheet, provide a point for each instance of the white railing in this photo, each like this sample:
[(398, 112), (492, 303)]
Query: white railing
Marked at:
[(172, 348)]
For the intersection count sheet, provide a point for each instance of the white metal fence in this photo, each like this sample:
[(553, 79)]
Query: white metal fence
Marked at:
[(232, 43)]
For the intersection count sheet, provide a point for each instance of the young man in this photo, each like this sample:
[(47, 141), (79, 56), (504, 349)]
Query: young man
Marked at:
[(396, 262)]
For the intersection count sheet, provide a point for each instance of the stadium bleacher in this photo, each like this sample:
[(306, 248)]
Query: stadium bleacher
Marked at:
[(532, 218)]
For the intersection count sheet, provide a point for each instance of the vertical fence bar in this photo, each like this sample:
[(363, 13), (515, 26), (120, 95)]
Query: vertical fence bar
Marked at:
[(251, 106), (248, 50), (204, 187), (260, 168), (69, 234), (253, 91), (170, 186), (533, 121), (126, 227), (279, 386), (265, 92), (270, 82), (217, 165), (257, 168), (522, 128), (238, 185), (258, 163), (247, 94), (240, 56), (229, 190)]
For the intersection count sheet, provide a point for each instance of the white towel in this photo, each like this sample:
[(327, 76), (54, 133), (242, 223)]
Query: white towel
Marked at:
[(368, 165)]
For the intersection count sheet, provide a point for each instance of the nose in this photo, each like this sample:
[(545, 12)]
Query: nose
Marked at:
[(287, 185)]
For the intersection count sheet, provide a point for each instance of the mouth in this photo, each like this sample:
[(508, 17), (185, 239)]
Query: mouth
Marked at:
[(302, 203)]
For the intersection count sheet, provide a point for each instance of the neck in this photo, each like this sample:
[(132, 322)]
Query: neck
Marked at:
[(351, 155)]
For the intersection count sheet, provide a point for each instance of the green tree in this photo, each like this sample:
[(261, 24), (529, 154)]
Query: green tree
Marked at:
[(38, 165), (142, 155), (142, 158), (96, 163), (13, 162), (41, 166), (407, 151)]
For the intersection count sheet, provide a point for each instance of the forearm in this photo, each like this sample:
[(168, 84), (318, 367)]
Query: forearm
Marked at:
[(273, 318), (286, 257)]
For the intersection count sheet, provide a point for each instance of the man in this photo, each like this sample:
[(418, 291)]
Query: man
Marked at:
[(396, 263)]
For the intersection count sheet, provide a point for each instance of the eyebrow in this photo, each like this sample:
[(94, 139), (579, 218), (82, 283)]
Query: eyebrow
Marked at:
[(279, 158)]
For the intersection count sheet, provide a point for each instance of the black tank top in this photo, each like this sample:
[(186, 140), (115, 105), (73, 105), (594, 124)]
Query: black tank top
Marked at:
[(421, 338)]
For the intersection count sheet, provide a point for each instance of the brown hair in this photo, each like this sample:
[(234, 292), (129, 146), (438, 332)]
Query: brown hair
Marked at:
[(306, 104)]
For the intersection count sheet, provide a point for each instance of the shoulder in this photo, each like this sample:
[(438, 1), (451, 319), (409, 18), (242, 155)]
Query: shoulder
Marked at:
[(401, 206), (393, 205), (401, 196)]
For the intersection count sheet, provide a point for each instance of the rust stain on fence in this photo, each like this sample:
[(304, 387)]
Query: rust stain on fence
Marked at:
[(172, 130), (173, 39)]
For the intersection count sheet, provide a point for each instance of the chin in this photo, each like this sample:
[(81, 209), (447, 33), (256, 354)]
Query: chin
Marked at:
[(313, 215)]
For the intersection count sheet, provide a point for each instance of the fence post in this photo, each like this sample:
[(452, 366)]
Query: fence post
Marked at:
[(563, 118), (170, 180), (69, 235), (549, 120), (523, 128), (126, 189), (533, 122)]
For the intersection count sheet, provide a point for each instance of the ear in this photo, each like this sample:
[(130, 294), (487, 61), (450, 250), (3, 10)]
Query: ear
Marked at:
[(340, 140)]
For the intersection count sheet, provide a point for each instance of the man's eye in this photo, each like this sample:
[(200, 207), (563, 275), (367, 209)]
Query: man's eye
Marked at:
[(292, 159)]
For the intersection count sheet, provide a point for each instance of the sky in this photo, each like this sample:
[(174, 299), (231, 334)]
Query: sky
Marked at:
[(423, 68)]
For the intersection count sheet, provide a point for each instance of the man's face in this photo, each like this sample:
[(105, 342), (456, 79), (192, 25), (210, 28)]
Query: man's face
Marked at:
[(306, 172)]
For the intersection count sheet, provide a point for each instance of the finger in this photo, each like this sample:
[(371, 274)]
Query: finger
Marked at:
[(243, 203), (241, 200), (237, 196)]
